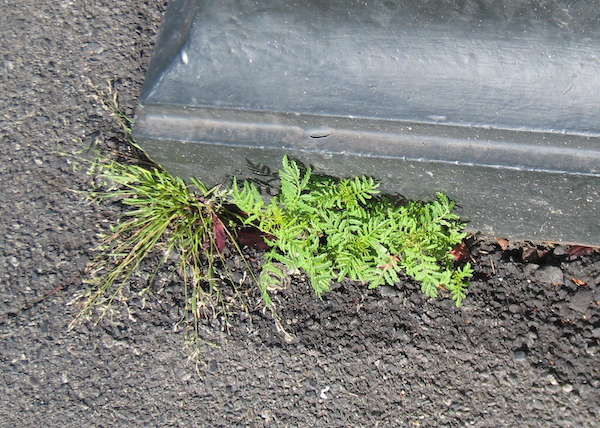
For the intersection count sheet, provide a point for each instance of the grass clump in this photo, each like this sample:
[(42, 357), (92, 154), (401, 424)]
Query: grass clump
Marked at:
[(165, 216), (344, 229)]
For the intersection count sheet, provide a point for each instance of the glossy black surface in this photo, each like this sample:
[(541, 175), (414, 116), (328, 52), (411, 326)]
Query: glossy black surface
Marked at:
[(495, 105)]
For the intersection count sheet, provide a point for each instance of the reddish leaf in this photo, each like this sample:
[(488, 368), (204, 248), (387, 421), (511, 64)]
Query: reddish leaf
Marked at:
[(461, 252), (532, 254), (578, 281), (253, 238), (219, 234), (503, 243), (580, 250)]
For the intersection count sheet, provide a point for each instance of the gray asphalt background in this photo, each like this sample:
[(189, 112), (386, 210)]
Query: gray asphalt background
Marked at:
[(523, 351)]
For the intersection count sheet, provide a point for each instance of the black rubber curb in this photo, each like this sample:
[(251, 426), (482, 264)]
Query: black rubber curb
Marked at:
[(495, 106)]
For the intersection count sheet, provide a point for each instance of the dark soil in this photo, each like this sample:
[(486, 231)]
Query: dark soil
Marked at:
[(522, 351)]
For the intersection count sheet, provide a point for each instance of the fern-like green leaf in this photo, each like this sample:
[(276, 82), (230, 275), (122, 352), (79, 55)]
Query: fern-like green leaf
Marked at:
[(339, 229)]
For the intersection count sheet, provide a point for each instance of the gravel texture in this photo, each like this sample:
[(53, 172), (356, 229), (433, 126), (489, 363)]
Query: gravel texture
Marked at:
[(522, 351)]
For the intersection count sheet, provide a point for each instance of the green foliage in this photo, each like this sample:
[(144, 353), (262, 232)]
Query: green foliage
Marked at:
[(332, 229), (165, 217), (345, 229)]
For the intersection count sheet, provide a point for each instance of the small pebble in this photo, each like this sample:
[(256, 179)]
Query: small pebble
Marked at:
[(550, 275), (520, 355), (561, 250), (551, 380), (538, 405), (530, 268), (584, 390), (213, 366), (387, 291), (582, 300)]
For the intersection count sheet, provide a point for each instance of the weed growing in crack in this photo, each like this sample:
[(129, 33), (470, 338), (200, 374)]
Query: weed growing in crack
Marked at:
[(345, 229), (166, 215), (166, 218), (332, 229)]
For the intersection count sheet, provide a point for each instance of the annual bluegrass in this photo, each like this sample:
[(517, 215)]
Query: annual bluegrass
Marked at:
[(337, 229), (166, 217)]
